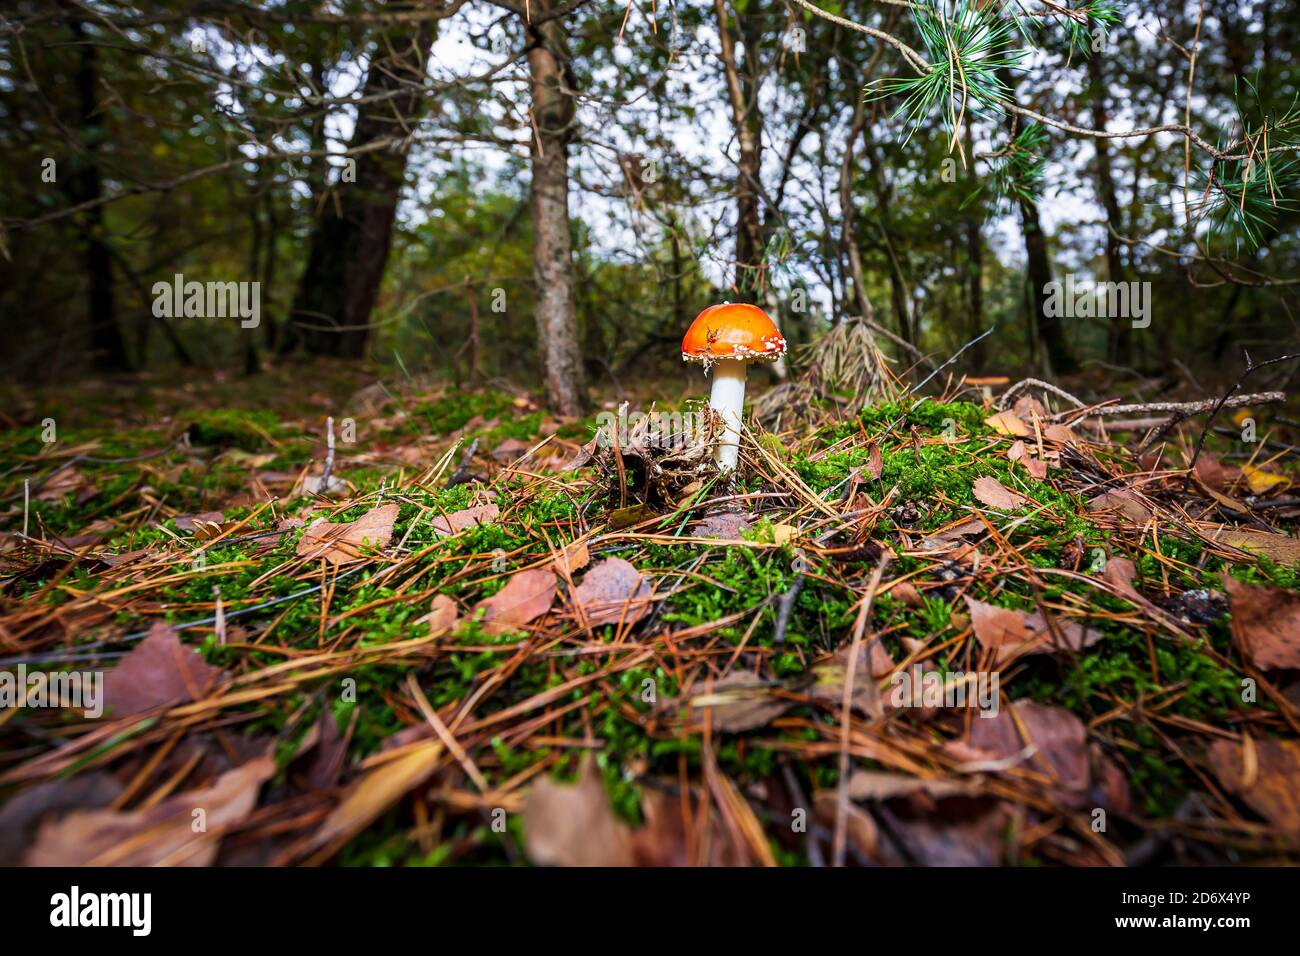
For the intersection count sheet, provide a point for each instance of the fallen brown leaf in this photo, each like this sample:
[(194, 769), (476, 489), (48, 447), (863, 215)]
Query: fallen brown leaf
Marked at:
[(830, 675), (192, 522), (164, 835), (572, 558), (1008, 423), (875, 462), (526, 597), (1265, 624), (343, 543), (573, 824), (1011, 634), (21, 815), (993, 493), (611, 592), (1058, 736), (727, 525), (510, 450), (1274, 793), (442, 615), (159, 671), (1281, 548), (1123, 502), (465, 518)]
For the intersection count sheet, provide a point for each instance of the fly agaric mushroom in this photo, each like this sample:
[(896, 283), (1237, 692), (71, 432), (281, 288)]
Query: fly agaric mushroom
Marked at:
[(730, 336)]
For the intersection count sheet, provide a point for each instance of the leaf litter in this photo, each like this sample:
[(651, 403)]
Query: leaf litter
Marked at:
[(614, 652)]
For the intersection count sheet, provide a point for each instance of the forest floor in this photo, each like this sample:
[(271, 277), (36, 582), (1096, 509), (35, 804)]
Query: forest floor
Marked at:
[(935, 632)]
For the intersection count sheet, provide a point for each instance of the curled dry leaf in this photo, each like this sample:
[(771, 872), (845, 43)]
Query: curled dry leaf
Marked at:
[(525, 598), (572, 559), (993, 493), (159, 671), (1265, 774), (1011, 634), (163, 835), (1281, 548), (1028, 407), (1123, 502), (344, 543), (1021, 452), (1059, 434), (1265, 624), (1008, 423), (875, 462), (193, 522), (611, 592), (465, 518)]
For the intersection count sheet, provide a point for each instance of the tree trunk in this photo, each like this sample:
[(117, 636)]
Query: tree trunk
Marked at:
[(848, 215), (1120, 333), (351, 239), (556, 314), (1039, 275), (975, 271), (251, 362), (107, 347), (899, 284), (1038, 269), (269, 270), (743, 97)]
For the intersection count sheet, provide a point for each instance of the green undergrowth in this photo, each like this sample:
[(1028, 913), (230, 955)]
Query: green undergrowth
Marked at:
[(931, 483)]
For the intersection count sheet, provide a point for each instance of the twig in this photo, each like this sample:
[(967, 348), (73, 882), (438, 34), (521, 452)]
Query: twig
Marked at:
[(1251, 366), (1213, 405), (462, 475), (1005, 399), (785, 605)]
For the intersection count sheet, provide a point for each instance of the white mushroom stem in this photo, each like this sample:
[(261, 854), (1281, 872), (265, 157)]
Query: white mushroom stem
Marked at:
[(728, 400)]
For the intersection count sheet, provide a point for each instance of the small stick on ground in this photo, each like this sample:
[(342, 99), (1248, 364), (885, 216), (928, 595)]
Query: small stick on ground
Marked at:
[(1176, 408), (462, 473), (785, 604), (1251, 366), (1004, 400)]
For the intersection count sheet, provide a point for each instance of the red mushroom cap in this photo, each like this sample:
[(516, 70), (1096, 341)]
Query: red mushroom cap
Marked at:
[(733, 330)]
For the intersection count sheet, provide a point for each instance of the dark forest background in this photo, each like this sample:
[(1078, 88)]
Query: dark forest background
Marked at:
[(549, 192)]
